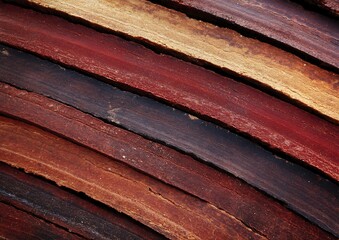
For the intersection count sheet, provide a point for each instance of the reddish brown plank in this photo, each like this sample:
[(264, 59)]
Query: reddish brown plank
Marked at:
[(16, 224), (282, 21), (157, 205), (250, 206), (57, 206), (275, 123)]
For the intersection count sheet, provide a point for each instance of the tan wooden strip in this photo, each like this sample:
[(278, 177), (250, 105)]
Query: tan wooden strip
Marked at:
[(221, 47)]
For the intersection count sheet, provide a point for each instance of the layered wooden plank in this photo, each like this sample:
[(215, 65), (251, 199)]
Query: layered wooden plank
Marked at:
[(278, 21), (154, 120), (223, 48), (275, 123), (163, 208), (16, 224), (67, 210), (256, 210)]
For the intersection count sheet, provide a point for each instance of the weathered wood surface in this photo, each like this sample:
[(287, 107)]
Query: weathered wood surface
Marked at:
[(256, 61), (16, 224), (159, 206), (330, 6), (279, 20), (224, 149), (225, 192), (57, 206), (277, 124)]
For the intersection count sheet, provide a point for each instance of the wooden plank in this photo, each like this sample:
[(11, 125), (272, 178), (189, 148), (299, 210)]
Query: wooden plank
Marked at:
[(275, 123), (57, 206), (223, 48), (159, 206), (154, 120), (279, 21), (225, 192), (16, 224)]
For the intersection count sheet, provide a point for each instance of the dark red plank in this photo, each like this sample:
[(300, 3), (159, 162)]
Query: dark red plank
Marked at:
[(285, 22), (52, 204), (256, 210), (275, 123), (16, 224)]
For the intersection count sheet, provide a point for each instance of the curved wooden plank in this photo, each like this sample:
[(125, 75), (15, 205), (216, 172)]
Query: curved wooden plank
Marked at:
[(283, 21), (224, 48), (275, 123), (253, 208), (163, 208), (16, 224), (67, 210), (154, 120)]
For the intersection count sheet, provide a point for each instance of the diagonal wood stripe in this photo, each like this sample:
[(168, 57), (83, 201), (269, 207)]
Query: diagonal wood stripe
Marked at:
[(221, 47)]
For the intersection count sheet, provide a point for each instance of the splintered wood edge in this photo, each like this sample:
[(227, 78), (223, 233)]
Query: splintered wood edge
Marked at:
[(224, 48)]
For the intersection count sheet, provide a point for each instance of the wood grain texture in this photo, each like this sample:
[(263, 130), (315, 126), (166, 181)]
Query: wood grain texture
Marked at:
[(283, 21), (220, 147), (224, 48), (57, 206), (330, 6), (163, 208), (16, 224), (275, 123), (225, 192)]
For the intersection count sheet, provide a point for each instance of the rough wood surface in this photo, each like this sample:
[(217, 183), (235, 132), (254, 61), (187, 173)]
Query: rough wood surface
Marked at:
[(163, 208), (73, 213), (16, 224), (330, 6), (225, 192), (277, 124), (283, 21), (221, 47), (221, 148)]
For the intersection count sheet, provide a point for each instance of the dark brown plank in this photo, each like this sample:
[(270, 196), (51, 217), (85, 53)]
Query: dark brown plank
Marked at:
[(165, 209), (284, 22), (225, 192), (275, 123), (57, 206), (16, 224)]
